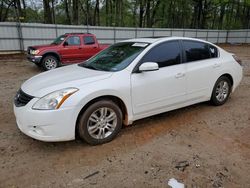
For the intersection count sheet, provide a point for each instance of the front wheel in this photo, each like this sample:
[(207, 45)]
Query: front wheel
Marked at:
[(100, 122), (221, 91), (49, 63)]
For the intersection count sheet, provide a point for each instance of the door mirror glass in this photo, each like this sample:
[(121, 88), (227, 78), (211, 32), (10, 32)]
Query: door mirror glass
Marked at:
[(149, 66), (65, 43)]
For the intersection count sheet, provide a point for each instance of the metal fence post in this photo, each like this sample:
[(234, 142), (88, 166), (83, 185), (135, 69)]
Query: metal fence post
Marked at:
[(20, 36), (19, 29), (227, 37), (114, 34), (246, 36), (218, 35), (136, 32), (56, 30)]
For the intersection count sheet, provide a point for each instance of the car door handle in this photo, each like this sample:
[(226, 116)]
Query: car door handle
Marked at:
[(179, 75), (79, 47), (216, 65)]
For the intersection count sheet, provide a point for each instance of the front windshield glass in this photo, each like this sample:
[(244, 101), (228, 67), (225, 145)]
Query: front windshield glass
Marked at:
[(116, 57), (59, 40)]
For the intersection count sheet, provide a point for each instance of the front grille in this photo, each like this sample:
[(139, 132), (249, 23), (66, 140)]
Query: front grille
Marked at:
[(21, 98)]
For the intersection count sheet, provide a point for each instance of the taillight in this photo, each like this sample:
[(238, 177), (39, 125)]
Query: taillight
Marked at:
[(237, 59)]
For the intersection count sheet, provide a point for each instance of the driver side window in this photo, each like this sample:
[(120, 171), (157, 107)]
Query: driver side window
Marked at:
[(165, 54), (73, 41)]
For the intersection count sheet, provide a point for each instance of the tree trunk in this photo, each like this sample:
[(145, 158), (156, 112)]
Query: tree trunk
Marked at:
[(141, 13), (66, 4), (156, 7), (107, 13), (222, 13), (75, 12), (134, 22), (47, 12), (98, 12), (148, 5)]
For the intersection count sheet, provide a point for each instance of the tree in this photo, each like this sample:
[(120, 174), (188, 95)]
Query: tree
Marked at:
[(4, 9), (199, 14), (67, 4), (75, 10), (47, 12)]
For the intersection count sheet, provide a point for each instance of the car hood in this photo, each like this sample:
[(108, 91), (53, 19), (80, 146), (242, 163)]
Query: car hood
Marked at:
[(64, 77), (39, 47)]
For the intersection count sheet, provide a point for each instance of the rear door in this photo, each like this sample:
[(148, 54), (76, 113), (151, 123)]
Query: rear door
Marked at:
[(71, 52), (201, 68), (90, 47), (154, 91)]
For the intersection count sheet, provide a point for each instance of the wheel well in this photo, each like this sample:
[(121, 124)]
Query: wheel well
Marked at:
[(229, 77), (51, 54), (115, 99)]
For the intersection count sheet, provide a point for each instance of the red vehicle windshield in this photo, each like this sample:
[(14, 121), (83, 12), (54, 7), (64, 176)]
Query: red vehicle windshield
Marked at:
[(59, 39)]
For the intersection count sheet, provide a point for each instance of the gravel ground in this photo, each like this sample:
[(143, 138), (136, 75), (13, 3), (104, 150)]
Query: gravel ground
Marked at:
[(200, 146)]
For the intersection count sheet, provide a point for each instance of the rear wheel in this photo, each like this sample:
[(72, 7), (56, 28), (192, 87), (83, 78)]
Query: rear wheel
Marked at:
[(50, 62), (221, 91), (100, 122)]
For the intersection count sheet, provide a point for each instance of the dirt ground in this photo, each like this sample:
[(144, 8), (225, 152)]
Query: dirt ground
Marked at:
[(200, 146)]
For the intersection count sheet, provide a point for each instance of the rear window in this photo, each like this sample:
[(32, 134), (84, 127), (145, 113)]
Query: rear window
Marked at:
[(195, 50)]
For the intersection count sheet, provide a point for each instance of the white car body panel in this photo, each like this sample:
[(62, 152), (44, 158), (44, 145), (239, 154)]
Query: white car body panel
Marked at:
[(144, 94), (158, 89)]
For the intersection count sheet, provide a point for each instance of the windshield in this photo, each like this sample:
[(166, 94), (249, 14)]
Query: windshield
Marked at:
[(116, 57), (59, 40)]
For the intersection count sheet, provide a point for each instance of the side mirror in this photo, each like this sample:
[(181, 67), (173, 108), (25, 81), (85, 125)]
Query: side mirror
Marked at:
[(65, 43), (148, 66)]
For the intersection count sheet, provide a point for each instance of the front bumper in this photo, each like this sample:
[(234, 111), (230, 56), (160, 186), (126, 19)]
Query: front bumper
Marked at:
[(46, 125), (34, 59)]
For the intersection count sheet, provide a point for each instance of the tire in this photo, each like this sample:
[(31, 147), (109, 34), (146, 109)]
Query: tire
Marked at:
[(49, 62), (95, 129), (221, 91)]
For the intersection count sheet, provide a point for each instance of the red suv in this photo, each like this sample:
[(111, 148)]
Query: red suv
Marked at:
[(66, 49)]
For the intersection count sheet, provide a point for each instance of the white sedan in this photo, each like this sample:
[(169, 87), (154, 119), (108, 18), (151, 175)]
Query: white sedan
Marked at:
[(130, 80)]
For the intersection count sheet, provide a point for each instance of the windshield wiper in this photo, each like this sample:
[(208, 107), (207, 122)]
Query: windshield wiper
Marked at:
[(88, 66)]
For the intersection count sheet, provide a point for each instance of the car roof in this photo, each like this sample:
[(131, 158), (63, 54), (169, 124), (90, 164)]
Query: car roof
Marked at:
[(78, 34), (158, 39)]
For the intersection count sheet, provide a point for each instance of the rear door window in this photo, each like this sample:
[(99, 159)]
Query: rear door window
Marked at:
[(165, 54), (213, 51), (88, 40), (195, 50)]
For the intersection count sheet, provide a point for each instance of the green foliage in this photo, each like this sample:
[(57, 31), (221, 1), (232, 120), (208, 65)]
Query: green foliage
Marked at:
[(211, 14)]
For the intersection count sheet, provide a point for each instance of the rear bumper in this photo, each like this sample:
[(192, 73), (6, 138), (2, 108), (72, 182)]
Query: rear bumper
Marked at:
[(34, 59), (237, 77)]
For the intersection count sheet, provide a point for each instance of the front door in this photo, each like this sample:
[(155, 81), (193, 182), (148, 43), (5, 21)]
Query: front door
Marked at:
[(157, 90), (71, 50)]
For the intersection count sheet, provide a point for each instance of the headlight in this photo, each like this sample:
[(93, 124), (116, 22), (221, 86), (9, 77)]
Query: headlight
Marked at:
[(34, 52), (54, 100)]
